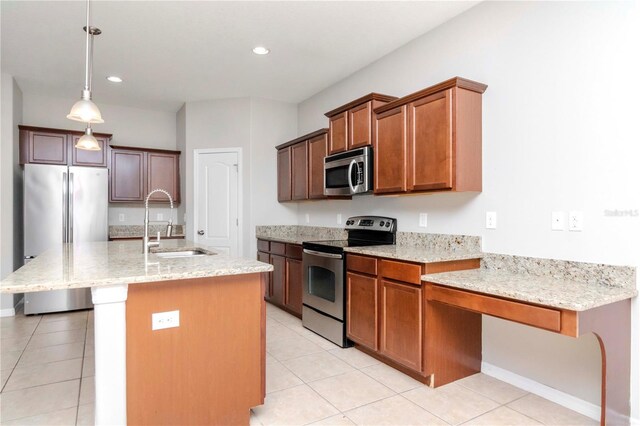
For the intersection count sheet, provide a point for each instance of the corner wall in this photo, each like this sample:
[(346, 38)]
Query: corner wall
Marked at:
[(559, 134), (11, 238)]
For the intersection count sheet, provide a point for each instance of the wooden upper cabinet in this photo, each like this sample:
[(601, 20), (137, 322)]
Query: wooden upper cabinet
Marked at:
[(442, 143), (39, 145), (317, 151), (351, 125), (299, 171), (127, 177), (390, 151), (338, 130), (163, 172), (82, 157), (284, 174), (430, 142)]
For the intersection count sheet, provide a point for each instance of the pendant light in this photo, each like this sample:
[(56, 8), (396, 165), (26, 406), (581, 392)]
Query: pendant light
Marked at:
[(85, 110), (88, 141)]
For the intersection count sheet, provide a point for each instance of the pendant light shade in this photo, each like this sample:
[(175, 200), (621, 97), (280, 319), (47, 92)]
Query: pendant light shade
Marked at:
[(88, 142), (85, 110)]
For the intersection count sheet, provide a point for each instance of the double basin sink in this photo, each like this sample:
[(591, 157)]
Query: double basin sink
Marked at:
[(179, 254)]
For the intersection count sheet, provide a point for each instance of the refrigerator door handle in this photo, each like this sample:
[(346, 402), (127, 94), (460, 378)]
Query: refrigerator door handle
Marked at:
[(71, 195), (64, 208)]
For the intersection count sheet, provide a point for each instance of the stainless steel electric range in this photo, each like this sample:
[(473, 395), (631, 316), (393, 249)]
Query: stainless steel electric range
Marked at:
[(324, 269)]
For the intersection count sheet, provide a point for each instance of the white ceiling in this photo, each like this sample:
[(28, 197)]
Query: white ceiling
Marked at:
[(176, 51)]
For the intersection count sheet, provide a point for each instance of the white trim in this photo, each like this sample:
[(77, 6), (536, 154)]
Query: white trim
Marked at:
[(237, 151), (569, 401), (9, 312)]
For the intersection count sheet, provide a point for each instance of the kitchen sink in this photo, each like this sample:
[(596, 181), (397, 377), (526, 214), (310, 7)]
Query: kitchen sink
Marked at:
[(182, 253)]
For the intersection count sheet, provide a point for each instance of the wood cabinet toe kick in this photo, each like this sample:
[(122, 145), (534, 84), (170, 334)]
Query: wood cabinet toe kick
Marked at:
[(609, 323)]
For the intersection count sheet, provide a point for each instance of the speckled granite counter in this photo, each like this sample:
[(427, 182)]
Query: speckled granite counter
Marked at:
[(415, 254), (293, 234), (137, 231), (98, 264), (576, 286)]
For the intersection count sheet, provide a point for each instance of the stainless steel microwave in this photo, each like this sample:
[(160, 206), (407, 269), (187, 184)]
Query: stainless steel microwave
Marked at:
[(349, 173)]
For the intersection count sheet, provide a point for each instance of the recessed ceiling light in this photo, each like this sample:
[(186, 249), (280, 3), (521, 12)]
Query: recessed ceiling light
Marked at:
[(259, 50), (114, 79)]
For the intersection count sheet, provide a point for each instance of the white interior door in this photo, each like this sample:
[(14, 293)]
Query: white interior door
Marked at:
[(217, 196)]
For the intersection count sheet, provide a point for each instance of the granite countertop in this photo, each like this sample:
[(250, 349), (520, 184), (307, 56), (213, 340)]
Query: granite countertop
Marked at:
[(137, 231), (82, 265), (416, 254), (293, 234), (563, 293)]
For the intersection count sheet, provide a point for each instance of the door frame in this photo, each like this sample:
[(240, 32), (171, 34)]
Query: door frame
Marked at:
[(196, 154)]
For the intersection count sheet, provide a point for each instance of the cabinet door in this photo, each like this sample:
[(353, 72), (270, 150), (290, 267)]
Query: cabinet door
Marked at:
[(401, 323), (46, 147), (284, 174), (82, 157), (278, 279), (390, 154), (430, 147), (360, 126), (264, 257), (293, 294), (126, 180), (338, 133), (362, 310), (299, 179), (163, 172), (317, 152)]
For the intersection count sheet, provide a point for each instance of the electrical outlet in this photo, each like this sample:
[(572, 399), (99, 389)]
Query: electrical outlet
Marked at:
[(575, 221), (492, 220), (162, 320), (557, 221), (121, 217), (422, 223), (339, 218), (306, 218), (159, 216)]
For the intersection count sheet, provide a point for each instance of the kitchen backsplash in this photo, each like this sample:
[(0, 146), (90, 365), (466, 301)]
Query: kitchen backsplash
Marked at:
[(124, 231)]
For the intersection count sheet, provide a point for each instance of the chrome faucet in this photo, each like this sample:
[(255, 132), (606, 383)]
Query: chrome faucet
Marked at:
[(146, 244)]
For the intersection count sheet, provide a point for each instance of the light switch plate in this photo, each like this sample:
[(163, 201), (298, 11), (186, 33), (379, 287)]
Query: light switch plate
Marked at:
[(162, 320), (422, 222), (121, 217), (306, 218), (492, 220), (576, 222), (159, 216), (339, 218), (557, 221)]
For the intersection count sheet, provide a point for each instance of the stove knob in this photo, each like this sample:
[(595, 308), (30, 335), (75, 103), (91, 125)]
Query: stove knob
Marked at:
[(382, 223), (388, 224)]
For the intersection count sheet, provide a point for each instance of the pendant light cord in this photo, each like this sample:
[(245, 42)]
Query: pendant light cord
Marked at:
[(86, 67)]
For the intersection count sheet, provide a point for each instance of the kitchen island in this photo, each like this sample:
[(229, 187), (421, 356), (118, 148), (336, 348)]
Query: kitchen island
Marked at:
[(206, 367)]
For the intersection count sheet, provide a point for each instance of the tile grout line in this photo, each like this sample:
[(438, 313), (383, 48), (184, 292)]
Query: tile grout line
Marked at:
[(21, 354), (84, 350)]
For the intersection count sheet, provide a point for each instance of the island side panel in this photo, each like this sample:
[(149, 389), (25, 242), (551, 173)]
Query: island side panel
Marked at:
[(209, 369)]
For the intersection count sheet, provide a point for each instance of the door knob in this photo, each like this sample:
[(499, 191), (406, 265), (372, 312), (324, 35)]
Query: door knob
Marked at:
[(201, 232)]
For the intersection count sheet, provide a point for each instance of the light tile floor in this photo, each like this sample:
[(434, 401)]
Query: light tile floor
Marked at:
[(47, 379)]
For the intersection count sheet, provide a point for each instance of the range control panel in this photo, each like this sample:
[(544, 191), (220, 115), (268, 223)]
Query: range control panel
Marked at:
[(373, 223)]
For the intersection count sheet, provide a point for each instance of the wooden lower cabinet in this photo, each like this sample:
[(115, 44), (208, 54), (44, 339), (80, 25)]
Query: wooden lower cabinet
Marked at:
[(278, 277), (293, 286), (362, 310), (401, 322), (264, 257)]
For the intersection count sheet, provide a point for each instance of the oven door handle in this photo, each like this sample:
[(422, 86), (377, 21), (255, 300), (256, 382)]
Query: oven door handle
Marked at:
[(321, 254), (351, 186)]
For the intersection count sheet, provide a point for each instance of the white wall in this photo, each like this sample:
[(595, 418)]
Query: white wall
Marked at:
[(11, 238), (129, 126), (256, 126), (559, 132)]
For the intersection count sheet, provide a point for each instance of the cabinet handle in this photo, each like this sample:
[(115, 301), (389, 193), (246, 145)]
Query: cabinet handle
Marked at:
[(201, 232)]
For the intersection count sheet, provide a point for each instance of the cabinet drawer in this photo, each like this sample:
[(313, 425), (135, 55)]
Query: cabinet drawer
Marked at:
[(263, 245), (294, 251), (278, 248), (401, 271), (366, 265), (536, 316)]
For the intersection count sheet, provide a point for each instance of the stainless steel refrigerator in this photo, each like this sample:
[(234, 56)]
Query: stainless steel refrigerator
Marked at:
[(62, 205)]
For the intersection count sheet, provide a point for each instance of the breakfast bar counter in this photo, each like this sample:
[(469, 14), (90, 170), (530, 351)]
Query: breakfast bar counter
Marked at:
[(144, 366)]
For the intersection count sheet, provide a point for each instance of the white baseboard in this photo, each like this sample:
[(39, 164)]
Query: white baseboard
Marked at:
[(9, 312), (569, 401)]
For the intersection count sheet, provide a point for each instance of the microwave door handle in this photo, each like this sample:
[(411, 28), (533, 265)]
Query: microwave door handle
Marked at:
[(351, 186)]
